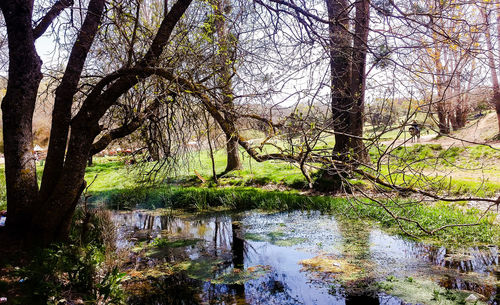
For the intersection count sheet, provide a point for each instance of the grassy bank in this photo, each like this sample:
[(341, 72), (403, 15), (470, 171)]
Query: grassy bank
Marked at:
[(117, 185), (473, 170), (244, 198)]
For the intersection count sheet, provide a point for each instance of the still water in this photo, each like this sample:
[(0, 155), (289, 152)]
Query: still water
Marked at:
[(289, 258)]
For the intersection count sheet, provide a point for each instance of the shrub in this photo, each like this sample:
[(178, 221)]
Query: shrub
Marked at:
[(78, 270), (71, 272)]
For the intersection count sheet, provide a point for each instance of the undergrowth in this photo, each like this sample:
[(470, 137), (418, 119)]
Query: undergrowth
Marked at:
[(82, 271)]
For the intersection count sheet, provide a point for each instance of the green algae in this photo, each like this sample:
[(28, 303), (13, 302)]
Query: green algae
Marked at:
[(413, 291), (175, 243), (212, 270), (276, 238)]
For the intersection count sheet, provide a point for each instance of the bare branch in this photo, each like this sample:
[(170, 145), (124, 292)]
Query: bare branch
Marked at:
[(52, 14)]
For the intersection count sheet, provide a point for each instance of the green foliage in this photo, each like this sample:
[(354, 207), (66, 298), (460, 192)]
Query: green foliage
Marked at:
[(82, 269), (415, 152), (449, 155), (177, 243), (71, 272), (419, 290), (480, 151)]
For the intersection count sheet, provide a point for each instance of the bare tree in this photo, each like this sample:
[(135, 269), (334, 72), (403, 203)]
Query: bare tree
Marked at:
[(486, 10)]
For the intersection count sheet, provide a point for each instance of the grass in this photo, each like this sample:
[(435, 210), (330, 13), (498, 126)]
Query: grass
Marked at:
[(246, 198), (431, 159), (452, 171), (114, 183), (416, 291)]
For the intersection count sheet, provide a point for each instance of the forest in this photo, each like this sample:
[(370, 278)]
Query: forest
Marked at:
[(250, 152)]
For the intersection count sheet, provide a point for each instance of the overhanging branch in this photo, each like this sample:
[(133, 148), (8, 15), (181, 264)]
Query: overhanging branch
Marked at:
[(52, 14)]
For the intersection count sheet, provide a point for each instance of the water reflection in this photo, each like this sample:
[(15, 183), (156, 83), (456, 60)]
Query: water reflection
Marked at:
[(240, 243), (238, 254)]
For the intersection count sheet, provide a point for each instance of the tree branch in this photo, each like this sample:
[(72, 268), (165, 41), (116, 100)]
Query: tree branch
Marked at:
[(52, 14), (125, 129)]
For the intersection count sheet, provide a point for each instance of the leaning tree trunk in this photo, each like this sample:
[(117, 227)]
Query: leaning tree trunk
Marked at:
[(47, 217), (233, 154), (54, 223), (64, 94), (17, 113)]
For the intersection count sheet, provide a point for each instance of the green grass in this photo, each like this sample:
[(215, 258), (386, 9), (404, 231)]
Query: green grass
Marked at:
[(178, 243), (451, 172), (245, 198), (112, 175), (116, 181)]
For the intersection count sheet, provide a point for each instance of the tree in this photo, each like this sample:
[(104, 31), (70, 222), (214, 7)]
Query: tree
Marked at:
[(44, 214), (225, 61), (491, 52), (348, 53)]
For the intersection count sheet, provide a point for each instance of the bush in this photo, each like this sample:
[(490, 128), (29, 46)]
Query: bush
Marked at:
[(71, 272), (78, 270)]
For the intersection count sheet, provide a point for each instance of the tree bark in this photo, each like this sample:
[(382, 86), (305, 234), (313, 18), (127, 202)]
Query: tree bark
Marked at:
[(52, 224), (224, 63), (47, 218), (358, 79), (17, 113), (61, 115), (347, 68), (442, 118), (233, 154), (340, 49)]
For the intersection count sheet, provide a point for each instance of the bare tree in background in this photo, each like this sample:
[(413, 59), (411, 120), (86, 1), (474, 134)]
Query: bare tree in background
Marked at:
[(487, 10)]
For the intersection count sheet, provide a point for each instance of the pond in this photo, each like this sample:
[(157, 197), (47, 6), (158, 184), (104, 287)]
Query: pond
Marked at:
[(292, 258)]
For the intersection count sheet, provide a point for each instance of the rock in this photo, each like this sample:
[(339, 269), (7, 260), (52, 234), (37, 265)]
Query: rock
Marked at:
[(471, 299)]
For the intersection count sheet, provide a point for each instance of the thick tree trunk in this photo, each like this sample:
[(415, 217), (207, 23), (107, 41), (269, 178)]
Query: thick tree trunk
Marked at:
[(342, 101), (442, 119), (459, 119), (53, 223), (61, 115), (233, 154), (358, 79), (347, 67), (47, 218), (17, 112), (340, 69)]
